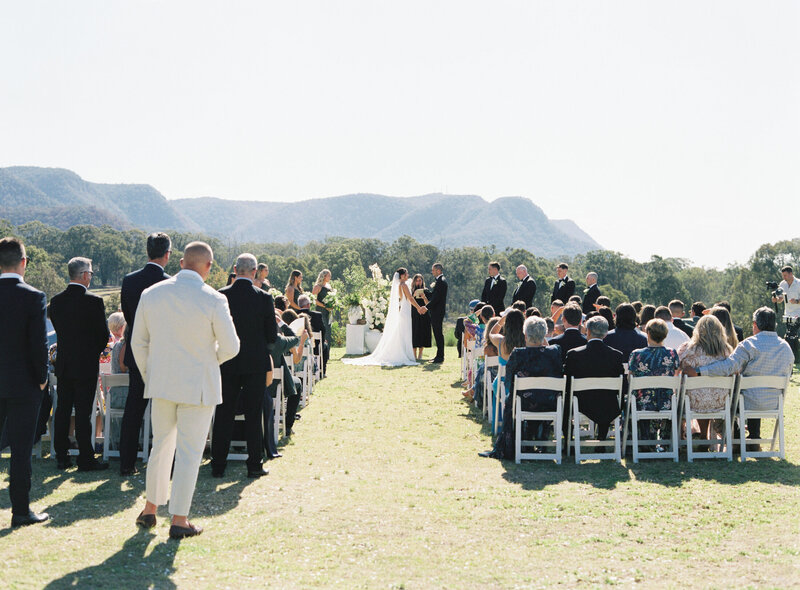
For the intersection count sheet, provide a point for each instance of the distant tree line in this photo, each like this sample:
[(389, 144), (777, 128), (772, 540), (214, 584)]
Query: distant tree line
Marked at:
[(116, 253)]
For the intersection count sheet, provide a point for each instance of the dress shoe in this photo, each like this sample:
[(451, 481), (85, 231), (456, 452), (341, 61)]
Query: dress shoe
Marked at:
[(180, 532), (275, 456), (753, 448), (489, 454), (146, 521), (93, 466), (64, 464), (218, 473), (256, 473), (30, 518), (129, 471), (437, 361)]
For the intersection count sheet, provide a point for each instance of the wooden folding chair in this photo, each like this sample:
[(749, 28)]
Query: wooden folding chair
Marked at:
[(634, 416), (583, 428), (781, 383), (557, 384), (724, 413)]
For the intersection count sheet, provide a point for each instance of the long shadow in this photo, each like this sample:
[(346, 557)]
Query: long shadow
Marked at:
[(107, 499), (128, 568), (213, 496)]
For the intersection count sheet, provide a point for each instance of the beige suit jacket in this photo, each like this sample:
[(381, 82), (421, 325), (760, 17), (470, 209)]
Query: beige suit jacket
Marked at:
[(183, 332)]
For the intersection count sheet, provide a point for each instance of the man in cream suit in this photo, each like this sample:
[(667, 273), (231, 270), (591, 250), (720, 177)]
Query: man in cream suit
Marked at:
[(183, 333)]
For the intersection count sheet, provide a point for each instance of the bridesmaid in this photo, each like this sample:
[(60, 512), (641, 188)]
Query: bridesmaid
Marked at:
[(320, 290), (420, 323), (293, 289)]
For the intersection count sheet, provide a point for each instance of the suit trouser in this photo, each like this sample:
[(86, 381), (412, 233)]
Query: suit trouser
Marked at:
[(135, 406), (80, 393), (19, 415), (292, 403), (250, 387), (269, 421), (438, 335), (179, 432)]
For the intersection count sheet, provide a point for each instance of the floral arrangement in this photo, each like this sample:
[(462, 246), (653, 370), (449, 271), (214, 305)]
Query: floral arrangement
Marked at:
[(332, 300), (375, 299)]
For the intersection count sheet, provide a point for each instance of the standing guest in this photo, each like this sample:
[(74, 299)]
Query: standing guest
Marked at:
[(572, 337), (23, 373), (625, 338), (320, 290), (675, 337), (421, 322), (184, 332), (725, 319), (564, 287), (737, 329), (317, 325), (494, 288), (592, 292), (159, 248), (244, 376), (436, 307), (676, 308), (526, 289), (79, 319), (294, 288), (260, 280), (791, 290)]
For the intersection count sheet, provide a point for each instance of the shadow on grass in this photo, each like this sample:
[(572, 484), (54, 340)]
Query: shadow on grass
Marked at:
[(128, 568)]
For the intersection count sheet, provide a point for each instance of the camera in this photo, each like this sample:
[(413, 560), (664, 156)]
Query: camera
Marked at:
[(777, 292)]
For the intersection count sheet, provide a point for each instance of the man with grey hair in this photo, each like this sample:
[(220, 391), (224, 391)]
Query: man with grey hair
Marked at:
[(526, 289), (79, 320), (244, 376), (591, 293), (764, 353), (596, 359)]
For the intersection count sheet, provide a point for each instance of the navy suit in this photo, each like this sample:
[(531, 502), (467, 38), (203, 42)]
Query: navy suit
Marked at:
[(570, 339), (135, 405), (436, 307), (79, 318), (525, 291), (23, 367), (625, 341)]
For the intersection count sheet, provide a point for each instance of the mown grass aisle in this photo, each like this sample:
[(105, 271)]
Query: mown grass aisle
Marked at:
[(382, 487)]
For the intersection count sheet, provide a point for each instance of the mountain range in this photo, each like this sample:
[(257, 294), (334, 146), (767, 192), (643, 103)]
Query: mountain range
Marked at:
[(61, 198)]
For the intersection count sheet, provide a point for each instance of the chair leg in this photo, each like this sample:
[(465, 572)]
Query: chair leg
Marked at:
[(635, 434), (689, 447), (575, 419)]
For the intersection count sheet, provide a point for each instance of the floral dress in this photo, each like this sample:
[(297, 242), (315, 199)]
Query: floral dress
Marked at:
[(705, 399), (653, 361)]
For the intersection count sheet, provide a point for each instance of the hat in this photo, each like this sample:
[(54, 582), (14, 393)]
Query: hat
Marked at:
[(473, 304)]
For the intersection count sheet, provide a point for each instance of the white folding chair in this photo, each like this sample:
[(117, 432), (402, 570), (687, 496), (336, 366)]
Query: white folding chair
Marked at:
[(277, 404), (92, 418), (634, 415), (500, 398), (780, 383), (491, 362), (317, 356), (583, 428), (465, 348), (477, 355), (724, 413), (556, 384)]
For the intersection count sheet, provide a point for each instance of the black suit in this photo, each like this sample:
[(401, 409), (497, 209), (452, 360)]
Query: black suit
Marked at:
[(23, 367), (563, 290), (79, 318), (570, 339), (495, 295), (285, 341), (318, 325), (135, 405), (436, 307), (244, 375), (525, 291), (683, 326), (590, 298), (596, 359)]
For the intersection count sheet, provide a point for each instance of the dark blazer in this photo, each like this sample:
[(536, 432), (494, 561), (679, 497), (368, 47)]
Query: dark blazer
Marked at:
[(284, 341), (626, 341), (317, 323), (79, 318), (596, 359), (495, 296), (525, 291), (683, 326), (563, 290), (438, 298), (23, 339), (739, 333), (570, 339), (590, 298), (253, 313), (132, 286)]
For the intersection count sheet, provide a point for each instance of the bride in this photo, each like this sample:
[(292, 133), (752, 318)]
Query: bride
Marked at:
[(394, 349)]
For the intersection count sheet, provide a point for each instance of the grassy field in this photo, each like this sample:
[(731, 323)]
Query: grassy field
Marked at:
[(381, 487)]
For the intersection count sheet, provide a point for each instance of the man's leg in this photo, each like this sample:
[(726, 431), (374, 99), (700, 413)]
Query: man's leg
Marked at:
[(223, 422), (159, 464), (192, 428), (253, 402), (21, 417), (84, 401), (438, 335), (65, 401), (135, 406)]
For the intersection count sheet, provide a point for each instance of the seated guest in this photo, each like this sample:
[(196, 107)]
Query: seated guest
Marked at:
[(507, 336), (606, 313), (624, 337), (117, 395), (637, 306), (556, 308), (674, 336), (519, 305), (647, 313), (655, 360), (596, 359), (602, 301), (551, 327), (289, 316), (763, 353), (459, 330), (725, 319), (285, 341), (537, 359), (317, 325), (533, 311), (292, 394), (707, 344), (576, 299), (737, 329), (489, 350), (677, 311), (281, 304), (572, 337), (698, 307)]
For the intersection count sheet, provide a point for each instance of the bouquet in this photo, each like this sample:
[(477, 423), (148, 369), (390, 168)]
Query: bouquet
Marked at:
[(375, 309)]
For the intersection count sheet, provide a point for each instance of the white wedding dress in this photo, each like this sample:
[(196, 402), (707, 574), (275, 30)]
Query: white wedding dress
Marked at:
[(394, 349)]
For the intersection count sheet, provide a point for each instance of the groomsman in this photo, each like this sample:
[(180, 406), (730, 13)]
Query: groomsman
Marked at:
[(244, 376), (23, 373), (592, 293), (494, 289), (79, 318), (564, 287), (526, 289), (436, 307), (159, 247)]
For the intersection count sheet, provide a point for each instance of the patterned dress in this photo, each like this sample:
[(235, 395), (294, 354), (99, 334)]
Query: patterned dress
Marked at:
[(653, 361), (706, 399)]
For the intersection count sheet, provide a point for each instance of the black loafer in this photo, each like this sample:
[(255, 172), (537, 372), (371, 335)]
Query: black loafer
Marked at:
[(256, 473), (128, 472), (146, 521), (181, 532), (30, 518)]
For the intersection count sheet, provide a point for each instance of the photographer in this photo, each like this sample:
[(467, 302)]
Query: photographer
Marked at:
[(791, 293)]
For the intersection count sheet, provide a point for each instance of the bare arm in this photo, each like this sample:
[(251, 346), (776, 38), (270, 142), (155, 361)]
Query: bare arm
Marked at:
[(407, 294)]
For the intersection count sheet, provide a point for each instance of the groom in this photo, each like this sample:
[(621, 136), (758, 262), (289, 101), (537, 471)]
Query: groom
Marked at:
[(436, 305)]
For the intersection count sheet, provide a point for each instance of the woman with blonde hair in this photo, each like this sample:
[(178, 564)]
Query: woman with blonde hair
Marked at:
[(320, 290), (709, 343)]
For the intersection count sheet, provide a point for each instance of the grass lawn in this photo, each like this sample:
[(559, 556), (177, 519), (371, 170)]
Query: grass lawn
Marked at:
[(381, 486)]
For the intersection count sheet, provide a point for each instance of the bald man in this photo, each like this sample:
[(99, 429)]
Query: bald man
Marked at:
[(591, 294), (526, 290), (183, 333)]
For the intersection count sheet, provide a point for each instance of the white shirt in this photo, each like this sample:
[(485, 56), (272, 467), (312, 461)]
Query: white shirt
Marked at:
[(675, 337), (792, 292), (156, 264), (11, 275), (85, 288)]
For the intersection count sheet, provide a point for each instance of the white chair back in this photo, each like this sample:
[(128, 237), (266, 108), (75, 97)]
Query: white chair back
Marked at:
[(778, 382), (555, 384), (634, 415), (723, 413), (576, 419)]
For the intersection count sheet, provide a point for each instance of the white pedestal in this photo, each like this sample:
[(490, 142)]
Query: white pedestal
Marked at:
[(355, 339)]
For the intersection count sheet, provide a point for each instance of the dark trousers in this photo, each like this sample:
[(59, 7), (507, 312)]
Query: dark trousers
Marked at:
[(438, 336), (269, 421), (292, 403), (19, 415), (250, 388), (78, 393), (135, 406)]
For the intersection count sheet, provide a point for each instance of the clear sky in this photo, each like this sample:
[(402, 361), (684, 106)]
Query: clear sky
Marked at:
[(666, 128)]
